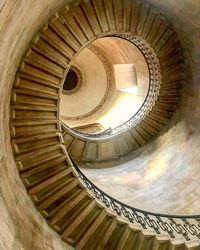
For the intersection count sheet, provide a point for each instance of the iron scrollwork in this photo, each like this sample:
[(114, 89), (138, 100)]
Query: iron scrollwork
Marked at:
[(174, 226), (153, 91)]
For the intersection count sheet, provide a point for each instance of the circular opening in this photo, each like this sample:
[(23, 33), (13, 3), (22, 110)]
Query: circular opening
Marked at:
[(116, 81), (71, 81)]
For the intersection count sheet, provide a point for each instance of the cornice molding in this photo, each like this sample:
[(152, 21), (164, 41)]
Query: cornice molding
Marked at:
[(153, 91), (109, 86)]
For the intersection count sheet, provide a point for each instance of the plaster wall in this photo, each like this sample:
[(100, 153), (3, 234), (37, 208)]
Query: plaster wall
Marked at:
[(92, 90), (120, 51), (21, 226)]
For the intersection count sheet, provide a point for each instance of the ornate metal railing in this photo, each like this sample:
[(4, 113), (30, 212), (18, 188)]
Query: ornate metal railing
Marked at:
[(151, 97), (175, 226)]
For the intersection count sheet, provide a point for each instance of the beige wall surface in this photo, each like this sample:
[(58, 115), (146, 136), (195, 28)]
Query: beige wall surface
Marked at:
[(21, 226), (92, 90)]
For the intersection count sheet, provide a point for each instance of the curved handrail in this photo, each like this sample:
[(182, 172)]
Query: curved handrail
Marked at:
[(151, 97), (187, 226)]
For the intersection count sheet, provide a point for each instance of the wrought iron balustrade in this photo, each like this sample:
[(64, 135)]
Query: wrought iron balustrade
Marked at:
[(151, 97), (175, 226)]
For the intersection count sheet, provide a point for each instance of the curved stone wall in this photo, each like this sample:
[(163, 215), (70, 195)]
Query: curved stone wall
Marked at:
[(86, 100), (21, 226)]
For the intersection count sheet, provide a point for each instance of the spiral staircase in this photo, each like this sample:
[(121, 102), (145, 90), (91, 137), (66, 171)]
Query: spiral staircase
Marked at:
[(82, 215), (154, 114)]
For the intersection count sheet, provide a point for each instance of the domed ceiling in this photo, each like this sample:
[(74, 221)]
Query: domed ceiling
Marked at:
[(115, 75)]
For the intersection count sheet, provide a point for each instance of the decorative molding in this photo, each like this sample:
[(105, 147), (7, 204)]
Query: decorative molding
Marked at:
[(153, 91), (110, 82)]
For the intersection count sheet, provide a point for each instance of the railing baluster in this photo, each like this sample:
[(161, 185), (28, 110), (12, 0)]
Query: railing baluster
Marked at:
[(153, 91), (186, 226)]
